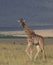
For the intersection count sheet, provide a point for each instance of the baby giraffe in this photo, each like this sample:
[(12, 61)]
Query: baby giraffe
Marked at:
[(33, 39)]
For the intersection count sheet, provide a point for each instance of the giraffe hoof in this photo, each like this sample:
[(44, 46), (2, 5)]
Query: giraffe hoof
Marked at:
[(44, 60), (34, 60)]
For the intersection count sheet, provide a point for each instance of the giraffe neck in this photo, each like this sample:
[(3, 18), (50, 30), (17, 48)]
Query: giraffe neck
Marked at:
[(28, 31)]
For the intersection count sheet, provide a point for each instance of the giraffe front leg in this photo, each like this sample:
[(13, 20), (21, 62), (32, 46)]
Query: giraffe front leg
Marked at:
[(38, 50), (29, 48), (29, 52)]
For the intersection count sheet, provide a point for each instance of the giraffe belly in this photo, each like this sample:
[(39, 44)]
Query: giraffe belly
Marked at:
[(36, 42)]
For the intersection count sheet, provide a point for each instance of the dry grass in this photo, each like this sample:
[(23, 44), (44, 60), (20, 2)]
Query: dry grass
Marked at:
[(14, 54)]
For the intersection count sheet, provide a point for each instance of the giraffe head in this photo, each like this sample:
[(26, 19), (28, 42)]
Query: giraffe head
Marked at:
[(21, 21)]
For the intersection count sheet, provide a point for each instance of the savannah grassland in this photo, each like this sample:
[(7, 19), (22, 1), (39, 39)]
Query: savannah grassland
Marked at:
[(12, 52)]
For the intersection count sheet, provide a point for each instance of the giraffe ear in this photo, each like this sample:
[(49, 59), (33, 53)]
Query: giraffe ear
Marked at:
[(23, 20), (18, 21)]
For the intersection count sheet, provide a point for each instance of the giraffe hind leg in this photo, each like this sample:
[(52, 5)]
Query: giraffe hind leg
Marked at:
[(44, 56), (42, 50)]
